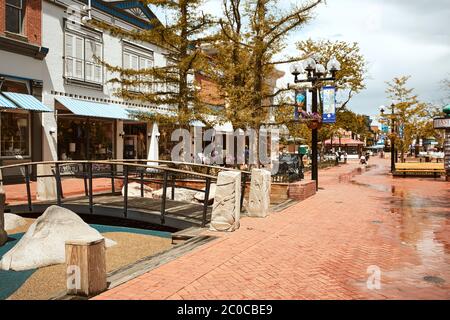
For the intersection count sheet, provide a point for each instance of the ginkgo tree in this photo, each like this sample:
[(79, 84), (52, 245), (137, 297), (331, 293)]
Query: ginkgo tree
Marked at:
[(406, 113), (170, 84), (251, 35)]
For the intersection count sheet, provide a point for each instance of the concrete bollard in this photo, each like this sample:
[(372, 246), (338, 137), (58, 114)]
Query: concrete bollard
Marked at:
[(3, 234), (86, 267), (227, 202), (259, 198)]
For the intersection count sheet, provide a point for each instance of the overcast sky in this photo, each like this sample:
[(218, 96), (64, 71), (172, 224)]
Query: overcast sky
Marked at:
[(397, 37)]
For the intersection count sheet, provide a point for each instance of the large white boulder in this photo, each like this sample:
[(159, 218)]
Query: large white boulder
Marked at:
[(200, 196), (259, 197), (3, 234), (226, 208), (182, 195), (13, 221), (44, 242), (134, 190)]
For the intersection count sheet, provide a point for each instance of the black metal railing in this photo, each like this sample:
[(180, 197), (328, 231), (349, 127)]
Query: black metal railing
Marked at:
[(126, 170)]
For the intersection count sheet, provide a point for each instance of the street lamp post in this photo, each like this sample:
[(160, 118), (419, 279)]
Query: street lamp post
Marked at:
[(393, 151), (315, 73)]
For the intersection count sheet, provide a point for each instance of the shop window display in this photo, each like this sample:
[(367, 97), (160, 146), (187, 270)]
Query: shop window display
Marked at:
[(85, 139), (15, 134)]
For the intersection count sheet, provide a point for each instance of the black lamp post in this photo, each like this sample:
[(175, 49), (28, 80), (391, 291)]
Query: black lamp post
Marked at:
[(315, 73), (393, 131)]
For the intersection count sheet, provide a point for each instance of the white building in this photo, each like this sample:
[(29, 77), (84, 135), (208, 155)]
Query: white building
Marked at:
[(79, 118)]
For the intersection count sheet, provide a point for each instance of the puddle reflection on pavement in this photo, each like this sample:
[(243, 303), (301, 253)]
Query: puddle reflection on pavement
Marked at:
[(422, 220)]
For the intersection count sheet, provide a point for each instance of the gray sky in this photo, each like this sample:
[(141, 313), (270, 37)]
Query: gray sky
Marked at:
[(397, 37)]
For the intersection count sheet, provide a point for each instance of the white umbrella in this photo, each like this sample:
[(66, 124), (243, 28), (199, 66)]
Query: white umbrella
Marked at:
[(153, 151)]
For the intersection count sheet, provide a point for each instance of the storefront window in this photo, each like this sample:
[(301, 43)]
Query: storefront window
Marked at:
[(135, 141), (15, 134), (101, 139), (85, 139)]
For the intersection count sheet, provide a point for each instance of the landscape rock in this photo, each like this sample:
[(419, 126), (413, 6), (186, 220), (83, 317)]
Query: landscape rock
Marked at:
[(3, 234), (226, 208), (44, 242), (134, 190), (13, 221), (259, 197), (182, 195), (200, 196)]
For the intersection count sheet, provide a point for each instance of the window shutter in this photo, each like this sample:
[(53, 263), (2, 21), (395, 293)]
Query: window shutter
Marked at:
[(90, 50), (69, 45), (134, 62), (79, 57), (98, 74), (79, 47), (126, 60), (68, 55)]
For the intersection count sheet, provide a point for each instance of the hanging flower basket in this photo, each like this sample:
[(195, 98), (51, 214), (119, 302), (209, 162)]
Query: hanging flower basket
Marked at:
[(314, 124), (312, 119)]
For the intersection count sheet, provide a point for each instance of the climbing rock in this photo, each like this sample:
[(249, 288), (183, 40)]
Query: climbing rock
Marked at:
[(134, 190), (44, 242), (13, 221), (183, 195), (200, 196)]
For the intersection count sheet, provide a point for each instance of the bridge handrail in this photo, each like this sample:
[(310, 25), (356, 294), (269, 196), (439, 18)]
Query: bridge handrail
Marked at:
[(192, 164), (126, 164), (63, 162)]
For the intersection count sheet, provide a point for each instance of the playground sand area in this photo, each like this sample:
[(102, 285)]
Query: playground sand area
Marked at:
[(47, 282)]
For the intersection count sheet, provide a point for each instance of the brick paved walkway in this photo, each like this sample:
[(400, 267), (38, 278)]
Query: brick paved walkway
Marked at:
[(321, 248)]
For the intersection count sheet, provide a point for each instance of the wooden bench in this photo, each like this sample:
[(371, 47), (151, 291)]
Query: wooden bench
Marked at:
[(419, 169)]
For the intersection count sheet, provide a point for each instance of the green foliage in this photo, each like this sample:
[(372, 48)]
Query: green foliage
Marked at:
[(414, 116), (250, 35)]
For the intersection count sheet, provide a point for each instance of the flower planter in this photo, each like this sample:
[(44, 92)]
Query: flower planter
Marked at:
[(314, 124)]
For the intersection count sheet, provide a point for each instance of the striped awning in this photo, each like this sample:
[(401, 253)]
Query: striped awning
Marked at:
[(5, 103), (94, 109), (26, 101)]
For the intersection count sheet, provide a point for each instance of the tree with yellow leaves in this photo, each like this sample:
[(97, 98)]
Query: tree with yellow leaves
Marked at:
[(171, 84)]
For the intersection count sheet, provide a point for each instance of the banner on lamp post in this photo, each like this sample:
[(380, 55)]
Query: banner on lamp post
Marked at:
[(329, 104), (300, 103)]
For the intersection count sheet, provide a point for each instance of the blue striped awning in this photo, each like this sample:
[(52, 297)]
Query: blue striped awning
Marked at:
[(93, 109), (134, 113), (5, 103), (27, 101)]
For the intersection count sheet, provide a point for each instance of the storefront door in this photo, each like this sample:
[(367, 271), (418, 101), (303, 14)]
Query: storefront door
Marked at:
[(135, 141)]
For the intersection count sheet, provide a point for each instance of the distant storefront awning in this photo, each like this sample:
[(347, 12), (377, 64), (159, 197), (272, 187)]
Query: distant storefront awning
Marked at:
[(94, 109), (133, 114), (26, 101), (5, 103), (225, 127), (344, 142)]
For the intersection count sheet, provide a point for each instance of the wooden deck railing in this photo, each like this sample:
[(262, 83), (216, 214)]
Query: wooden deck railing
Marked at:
[(143, 173)]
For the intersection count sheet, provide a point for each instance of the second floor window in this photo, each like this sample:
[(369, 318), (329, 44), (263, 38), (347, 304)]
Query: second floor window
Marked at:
[(15, 10), (80, 62), (136, 60)]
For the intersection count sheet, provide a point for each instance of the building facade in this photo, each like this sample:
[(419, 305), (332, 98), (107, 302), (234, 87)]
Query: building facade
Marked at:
[(53, 55), (22, 56)]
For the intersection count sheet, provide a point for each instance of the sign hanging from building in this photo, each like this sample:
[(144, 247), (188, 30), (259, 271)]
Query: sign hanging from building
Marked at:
[(300, 103), (329, 104), (441, 123)]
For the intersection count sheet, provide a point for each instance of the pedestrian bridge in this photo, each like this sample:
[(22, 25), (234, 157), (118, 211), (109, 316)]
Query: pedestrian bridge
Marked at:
[(168, 175)]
